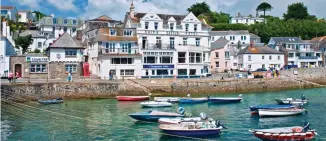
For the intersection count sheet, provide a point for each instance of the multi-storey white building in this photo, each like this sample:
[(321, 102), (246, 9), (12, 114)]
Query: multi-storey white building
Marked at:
[(7, 49), (297, 53), (26, 16), (235, 37), (41, 40), (239, 19), (253, 58), (172, 45)]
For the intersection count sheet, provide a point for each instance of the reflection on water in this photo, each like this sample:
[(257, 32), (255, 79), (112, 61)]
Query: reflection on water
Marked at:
[(107, 119)]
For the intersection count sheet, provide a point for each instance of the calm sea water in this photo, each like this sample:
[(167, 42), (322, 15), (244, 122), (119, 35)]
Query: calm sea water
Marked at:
[(85, 120)]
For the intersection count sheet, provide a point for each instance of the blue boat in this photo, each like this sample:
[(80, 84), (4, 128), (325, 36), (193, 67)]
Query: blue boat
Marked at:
[(51, 101), (254, 109), (154, 116), (224, 100), (192, 100)]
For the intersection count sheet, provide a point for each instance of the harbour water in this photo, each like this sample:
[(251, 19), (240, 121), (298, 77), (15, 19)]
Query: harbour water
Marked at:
[(107, 119)]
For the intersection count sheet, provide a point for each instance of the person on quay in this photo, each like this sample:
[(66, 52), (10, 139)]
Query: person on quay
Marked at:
[(16, 76), (10, 76), (69, 76), (110, 75)]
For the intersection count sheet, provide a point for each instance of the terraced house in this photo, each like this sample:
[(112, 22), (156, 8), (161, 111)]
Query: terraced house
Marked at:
[(171, 45)]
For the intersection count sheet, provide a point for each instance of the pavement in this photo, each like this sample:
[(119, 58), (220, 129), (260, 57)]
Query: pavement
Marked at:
[(24, 80)]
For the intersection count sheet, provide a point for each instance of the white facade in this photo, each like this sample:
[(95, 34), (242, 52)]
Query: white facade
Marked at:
[(235, 36), (246, 20), (25, 16), (9, 12), (59, 55), (256, 61), (172, 48), (7, 49)]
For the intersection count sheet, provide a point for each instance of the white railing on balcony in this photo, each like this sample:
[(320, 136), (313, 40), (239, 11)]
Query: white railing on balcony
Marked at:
[(116, 51), (156, 46)]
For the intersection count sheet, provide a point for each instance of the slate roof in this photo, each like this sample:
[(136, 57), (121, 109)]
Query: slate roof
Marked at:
[(254, 35), (319, 42), (66, 41), (103, 34), (231, 32), (34, 33), (7, 7), (258, 50), (287, 39), (219, 43)]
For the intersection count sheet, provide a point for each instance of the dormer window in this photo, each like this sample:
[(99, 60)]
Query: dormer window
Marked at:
[(127, 32), (155, 25), (112, 32), (187, 27), (195, 27), (146, 25), (65, 21), (171, 26), (152, 16)]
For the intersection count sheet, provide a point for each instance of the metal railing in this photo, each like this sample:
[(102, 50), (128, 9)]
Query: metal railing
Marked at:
[(116, 51), (308, 57), (156, 46)]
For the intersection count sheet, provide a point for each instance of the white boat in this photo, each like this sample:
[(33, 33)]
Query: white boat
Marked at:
[(167, 99), (153, 104), (291, 101), (280, 112)]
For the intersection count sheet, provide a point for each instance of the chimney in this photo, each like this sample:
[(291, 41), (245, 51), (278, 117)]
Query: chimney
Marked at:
[(132, 10)]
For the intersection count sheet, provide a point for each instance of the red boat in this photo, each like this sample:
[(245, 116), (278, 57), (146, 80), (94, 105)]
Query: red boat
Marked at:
[(132, 98), (296, 133)]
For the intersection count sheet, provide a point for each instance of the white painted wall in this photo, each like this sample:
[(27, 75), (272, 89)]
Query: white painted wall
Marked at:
[(257, 61), (245, 38), (246, 20), (55, 52)]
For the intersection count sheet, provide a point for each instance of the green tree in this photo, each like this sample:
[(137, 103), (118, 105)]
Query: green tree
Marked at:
[(39, 15), (23, 42), (264, 7), (199, 8), (296, 11), (37, 51)]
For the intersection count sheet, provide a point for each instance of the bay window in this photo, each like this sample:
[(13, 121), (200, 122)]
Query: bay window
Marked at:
[(195, 57), (181, 57), (122, 61), (150, 59)]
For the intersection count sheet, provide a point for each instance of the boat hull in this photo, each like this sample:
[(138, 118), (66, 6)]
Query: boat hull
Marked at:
[(278, 113), (254, 109), (224, 100), (193, 133), (151, 118), (167, 99), (132, 98), (154, 104), (178, 120), (192, 100), (287, 136), (47, 102), (294, 101)]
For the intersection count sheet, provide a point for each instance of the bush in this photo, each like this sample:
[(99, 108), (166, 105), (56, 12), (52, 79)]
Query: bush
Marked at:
[(37, 51)]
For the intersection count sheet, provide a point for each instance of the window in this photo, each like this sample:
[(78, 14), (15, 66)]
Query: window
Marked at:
[(71, 53), (235, 64), (127, 72), (166, 59), (181, 57), (172, 42), (187, 27), (270, 57), (185, 41), (54, 21), (192, 72), (153, 72), (38, 68), (162, 72), (127, 33), (195, 27), (74, 22), (150, 59), (39, 45), (171, 26), (249, 58), (65, 21), (195, 57), (197, 42), (182, 71), (291, 55), (232, 37), (73, 29), (155, 25), (146, 25), (263, 57), (244, 37), (217, 64), (71, 67), (110, 47), (263, 66), (4, 12), (158, 42), (227, 54), (124, 47), (65, 29), (249, 66), (216, 54), (122, 61), (278, 57), (213, 38), (112, 32)]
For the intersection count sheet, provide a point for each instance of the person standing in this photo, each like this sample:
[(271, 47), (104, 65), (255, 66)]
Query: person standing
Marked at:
[(10, 76), (110, 75), (69, 76)]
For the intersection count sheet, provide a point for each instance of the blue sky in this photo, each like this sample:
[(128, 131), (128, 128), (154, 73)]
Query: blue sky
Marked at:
[(116, 9)]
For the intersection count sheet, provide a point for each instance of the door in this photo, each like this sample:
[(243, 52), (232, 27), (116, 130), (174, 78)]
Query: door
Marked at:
[(129, 48), (18, 68), (144, 42)]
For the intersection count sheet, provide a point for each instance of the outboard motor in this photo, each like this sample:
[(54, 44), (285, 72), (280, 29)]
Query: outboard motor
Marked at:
[(181, 110), (303, 97), (203, 116), (240, 96), (188, 95), (218, 124), (305, 127)]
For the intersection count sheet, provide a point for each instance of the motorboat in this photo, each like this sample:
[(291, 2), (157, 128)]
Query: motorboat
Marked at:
[(190, 100), (280, 112), (154, 104), (295, 133), (202, 118), (225, 100), (193, 129), (132, 98), (167, 99), (303, 100), (154, 116), (254, 109), (51, 101)]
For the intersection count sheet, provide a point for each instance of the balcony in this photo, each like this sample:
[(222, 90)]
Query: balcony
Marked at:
[(119, 51), (156, 46), (308, 57)]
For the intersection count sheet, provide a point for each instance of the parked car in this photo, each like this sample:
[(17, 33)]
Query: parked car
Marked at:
[(261, 69)]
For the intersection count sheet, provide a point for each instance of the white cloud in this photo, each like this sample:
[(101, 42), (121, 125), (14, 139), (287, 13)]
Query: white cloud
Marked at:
[(64, 5), (117, 8), (30, 3)]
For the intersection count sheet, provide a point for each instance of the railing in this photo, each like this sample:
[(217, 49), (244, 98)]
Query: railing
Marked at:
[(118, 51), (308, 57), (156, 46)]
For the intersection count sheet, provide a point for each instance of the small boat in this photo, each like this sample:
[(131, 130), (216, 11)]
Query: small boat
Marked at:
[(132, 98), (189, 100), (295, 133), (280, 112), (167, 99), (51, 101), (154, 104), (154, 116), (225, 100), (254, 109), (184, 120), (193, 129), (303, 100)]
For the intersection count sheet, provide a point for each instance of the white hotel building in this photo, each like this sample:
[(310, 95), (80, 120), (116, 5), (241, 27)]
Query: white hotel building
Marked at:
[(171, 45)]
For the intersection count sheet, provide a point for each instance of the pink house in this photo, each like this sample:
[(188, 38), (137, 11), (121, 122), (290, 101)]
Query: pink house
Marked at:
[(222, 56)]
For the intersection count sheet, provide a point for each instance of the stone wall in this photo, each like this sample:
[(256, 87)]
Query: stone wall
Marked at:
[(25, 67), (58, 70)]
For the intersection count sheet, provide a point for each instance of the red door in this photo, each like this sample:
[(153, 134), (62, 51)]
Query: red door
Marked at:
[(18, 68), (86, 69)]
